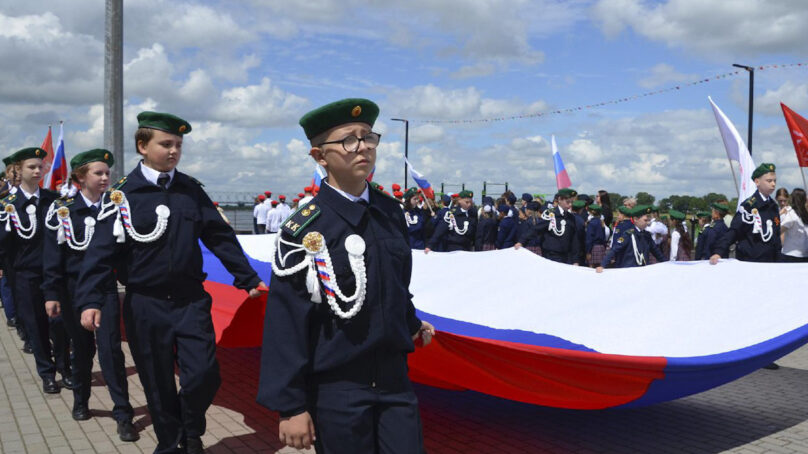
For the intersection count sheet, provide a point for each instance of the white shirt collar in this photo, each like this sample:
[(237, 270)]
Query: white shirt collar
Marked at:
[(89, 202), (151, 175), (365, 194), (764, 197), (29, 195)]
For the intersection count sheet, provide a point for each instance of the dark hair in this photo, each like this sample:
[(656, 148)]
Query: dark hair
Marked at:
[(606, 205), (781, 192), (684, 238), (408, 202), (143, 135), (797, 202)]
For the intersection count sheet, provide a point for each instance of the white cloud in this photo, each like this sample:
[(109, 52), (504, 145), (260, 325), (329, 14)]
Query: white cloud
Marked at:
[(736, 28), (663, 74), (259, 105), (790, 93), (432, 102)]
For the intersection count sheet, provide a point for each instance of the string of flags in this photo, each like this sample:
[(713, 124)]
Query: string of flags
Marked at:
[(618, 100)]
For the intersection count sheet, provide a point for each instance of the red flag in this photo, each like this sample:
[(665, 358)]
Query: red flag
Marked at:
[(47, 145), (798, 128)]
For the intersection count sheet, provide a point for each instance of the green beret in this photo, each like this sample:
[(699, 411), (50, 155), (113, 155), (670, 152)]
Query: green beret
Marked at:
[(86, 157), (624, 210), (339, 113), (703, 214), (722, 207), (655, 208), (465, 194), (163, 122), (640, 210), (410, 192), (678, 215), (7, 161), (25, 153), (578, 204), (762, 170), (567, 192), (595, 207)]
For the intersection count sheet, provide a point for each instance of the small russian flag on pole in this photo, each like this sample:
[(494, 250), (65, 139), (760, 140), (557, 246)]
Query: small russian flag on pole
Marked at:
[(562, 179), (421, 181)]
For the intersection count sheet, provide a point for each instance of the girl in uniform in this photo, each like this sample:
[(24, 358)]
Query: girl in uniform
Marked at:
[(70, 223)]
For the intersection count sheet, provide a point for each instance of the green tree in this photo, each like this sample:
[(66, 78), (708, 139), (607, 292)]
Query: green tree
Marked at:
[(644, 198)]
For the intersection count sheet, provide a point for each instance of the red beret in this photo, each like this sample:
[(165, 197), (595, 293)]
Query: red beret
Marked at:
[(274, 202), (215, 204), (262, 197), (301, 195), (282, 197), (295, 200), (307, 188), (398, 193), (396, 187), (267, 193)]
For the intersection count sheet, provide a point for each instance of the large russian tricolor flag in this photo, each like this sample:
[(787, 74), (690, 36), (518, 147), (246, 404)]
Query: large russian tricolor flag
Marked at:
[(562, 179), (57, 174), (47, 145), (421, 180), (589, 353)]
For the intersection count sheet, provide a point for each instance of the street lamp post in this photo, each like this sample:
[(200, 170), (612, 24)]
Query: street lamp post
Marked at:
[(751, 70), (406, 146)]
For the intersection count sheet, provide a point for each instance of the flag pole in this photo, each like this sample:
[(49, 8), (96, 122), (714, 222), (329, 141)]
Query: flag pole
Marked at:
[(734, 178), (802, 174)]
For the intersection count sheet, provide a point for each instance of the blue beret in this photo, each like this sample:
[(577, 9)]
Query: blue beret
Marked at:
[(445, 198), (512, 199), (503, 208), (533, 206), (527, 197)]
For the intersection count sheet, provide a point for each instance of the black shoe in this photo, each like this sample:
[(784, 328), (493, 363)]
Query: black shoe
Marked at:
[(81, 412), (11, 323), (194, 446), (68, 382), (49, 386), (127, 432), (772, 366), (26, 348)]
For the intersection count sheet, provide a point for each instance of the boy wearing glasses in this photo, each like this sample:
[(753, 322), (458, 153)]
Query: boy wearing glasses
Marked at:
[(339, 319)]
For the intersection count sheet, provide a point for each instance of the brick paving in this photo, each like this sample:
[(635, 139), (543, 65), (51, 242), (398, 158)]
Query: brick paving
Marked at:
[(765, 412)]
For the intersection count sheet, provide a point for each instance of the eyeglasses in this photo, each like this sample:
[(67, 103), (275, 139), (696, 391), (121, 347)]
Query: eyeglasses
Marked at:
[(351, 143)]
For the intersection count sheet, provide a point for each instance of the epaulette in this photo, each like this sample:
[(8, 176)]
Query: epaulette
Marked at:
[(8, 199), (750, 201), (380, 192), (195, 181), (304, 216), (118, 185), (64, 202)]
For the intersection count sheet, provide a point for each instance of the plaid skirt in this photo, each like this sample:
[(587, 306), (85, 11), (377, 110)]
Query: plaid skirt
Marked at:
[(534, 249), (489, 247), (597, 254)]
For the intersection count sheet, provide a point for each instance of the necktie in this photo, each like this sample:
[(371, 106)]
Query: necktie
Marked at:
[(363, 202), (93, 210), (33, 200), (162, 181)]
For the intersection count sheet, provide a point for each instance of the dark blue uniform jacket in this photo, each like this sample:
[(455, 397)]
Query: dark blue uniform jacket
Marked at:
[(506, 235), (751, 247), (305, 344), (22, 254), (623, 248), (567, 245), (595, 234), (455, 241), (173, 263)]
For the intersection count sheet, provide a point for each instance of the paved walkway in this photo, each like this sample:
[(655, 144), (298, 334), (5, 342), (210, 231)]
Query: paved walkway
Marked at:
[(765, 412)]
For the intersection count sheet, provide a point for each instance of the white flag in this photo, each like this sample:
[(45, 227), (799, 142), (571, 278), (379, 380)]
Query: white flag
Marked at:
[(736, 151)]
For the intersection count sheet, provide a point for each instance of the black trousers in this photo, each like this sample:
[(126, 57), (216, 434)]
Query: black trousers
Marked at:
[(350, 420), (160, 329), (112, 360), (556, 256), (39, 328), (83, 351)]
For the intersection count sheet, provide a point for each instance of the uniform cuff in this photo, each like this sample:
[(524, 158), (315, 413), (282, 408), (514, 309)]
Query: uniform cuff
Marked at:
[(291, 413)]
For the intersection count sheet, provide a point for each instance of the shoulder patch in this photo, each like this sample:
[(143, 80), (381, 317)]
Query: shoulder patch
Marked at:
[(9, 199), (301, 218)]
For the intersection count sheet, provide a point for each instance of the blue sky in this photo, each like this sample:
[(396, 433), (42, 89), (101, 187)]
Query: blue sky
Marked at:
[(244, 72)]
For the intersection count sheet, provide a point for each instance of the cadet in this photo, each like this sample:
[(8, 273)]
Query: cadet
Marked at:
[(717, 228), (756, 225), (704, 227), (148, 231), (533, 210), (457, 227), (21, 242), (486, 235), (681, 245), (506, 233), (334, 356), (417, 219), (558, 230), (260, 214), (579, 210), (595, 236), (635, 244), (71, 222)]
